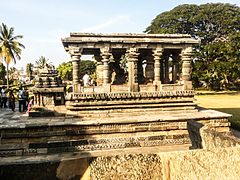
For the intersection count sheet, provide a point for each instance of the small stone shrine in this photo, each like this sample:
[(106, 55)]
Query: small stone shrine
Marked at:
[(157, 72), (48, 89)]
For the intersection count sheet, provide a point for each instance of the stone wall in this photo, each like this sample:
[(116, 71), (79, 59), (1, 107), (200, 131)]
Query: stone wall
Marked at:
[(203, 136), (213, 139), (218, 163), (130, 166)]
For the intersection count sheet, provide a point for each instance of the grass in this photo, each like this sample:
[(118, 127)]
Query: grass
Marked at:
[(228, 103)]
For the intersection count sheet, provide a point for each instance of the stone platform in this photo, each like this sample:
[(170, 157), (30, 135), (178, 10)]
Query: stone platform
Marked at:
[(26, 136)]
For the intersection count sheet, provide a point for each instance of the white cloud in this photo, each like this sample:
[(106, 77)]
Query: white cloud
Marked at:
[(109, 24)]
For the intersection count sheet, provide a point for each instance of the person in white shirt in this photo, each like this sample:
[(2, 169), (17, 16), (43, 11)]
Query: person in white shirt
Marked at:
[(86, 79), (4, 97), (22, 99)]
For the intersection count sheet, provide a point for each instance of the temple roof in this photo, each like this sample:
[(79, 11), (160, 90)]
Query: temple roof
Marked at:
[(127, 38)]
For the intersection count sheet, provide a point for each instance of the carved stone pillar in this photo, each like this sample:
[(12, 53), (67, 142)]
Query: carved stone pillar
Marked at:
[(105, 68), (132, 58), (157, 54), (186, 67), (75, 57), (76, 72), (99, 70)]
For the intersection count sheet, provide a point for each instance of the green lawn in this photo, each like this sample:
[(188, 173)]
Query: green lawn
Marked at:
[(228, 103)]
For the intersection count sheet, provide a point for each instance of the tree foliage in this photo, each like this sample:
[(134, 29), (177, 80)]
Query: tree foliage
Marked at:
[(87, 66), (217, 25), (2, 73), (43, 62), (65, 69), (10, 47)]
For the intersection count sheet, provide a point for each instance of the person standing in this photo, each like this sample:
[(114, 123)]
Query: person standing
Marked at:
[(86, 79), (4, 97), (30, 103), (11, 100), (22, 100)]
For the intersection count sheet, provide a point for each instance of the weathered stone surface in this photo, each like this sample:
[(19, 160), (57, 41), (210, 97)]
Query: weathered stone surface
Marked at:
[(220, 163), (127, 167)]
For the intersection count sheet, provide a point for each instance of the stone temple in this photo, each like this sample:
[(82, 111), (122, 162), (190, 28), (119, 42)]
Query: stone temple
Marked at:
[(139, 121)]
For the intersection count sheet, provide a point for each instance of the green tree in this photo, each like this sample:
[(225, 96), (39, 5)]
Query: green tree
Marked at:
[(2, 73), (43, 62), (65, 71), (87, 66), (12, 70), (10, 47), (217, 25)]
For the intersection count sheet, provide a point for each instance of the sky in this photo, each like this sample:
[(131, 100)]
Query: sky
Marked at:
[(44, 22)]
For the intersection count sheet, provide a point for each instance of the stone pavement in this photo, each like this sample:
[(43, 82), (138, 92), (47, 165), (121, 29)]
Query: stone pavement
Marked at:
[(9, 119), (7, 115)]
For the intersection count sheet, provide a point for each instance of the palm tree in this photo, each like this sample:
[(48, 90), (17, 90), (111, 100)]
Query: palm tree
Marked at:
[(11, 72), (43, 62), (10, 48)]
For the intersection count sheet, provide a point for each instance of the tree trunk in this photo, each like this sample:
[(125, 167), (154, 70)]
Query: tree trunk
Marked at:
[(7, 76)]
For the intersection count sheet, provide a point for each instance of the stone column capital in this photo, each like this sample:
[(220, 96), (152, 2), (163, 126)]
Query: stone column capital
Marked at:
[(186, 54), (132, 54), (75, 51), (158, 51), (105, 50), (105, 54), (75, 58), (187, 50)]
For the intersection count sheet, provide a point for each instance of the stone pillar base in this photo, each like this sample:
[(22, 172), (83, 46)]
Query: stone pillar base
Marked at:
[(134, 87), (76, 88), (187, 85), (157, 85), (106, 88)]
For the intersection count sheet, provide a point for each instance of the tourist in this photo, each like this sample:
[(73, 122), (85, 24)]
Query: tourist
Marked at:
[(4, 97), (22, 99), (11, 100), (113, 78), (86, 79), (30, 103)]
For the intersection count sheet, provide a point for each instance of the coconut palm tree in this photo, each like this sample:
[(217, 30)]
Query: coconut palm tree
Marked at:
[(43, 62), (10, 48)]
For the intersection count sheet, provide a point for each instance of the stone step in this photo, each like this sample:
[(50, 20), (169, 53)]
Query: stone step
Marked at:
[(88, 145), (87, 102), (160, 106), (102, 129)]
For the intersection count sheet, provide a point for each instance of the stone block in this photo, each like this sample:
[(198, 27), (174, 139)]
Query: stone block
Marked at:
[(42, 150)]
